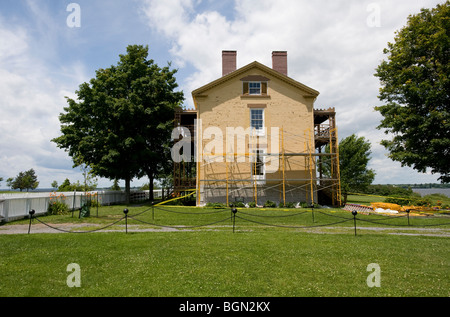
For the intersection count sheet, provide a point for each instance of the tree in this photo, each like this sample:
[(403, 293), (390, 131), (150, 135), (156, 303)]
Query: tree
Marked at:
[(115, 185), (25, 180), (9, 182), (1, 179), (415, 84), (54, 184), (66, 186), (120, 125), (354, 157)]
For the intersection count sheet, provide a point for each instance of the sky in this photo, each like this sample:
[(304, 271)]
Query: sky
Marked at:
[(49, 47)]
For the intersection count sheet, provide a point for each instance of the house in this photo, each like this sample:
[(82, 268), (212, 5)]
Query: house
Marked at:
[(255, 136)]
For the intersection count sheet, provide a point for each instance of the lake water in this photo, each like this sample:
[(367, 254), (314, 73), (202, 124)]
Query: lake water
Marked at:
[(427, 191)]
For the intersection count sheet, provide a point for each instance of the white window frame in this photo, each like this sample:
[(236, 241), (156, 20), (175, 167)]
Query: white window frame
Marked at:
[(261, 179), (250, 89), (261, 131)]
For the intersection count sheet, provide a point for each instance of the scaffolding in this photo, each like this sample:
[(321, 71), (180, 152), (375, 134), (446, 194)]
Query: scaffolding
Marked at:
[(184, 171), (320, 167)]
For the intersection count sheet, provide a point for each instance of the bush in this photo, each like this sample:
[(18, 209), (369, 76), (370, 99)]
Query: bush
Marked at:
[(287, 205), (402, 201), (425, 201), (215, 205), (93, 203), (237, 204), (57, 208), (252, 204), (270, 204), (409, 201)]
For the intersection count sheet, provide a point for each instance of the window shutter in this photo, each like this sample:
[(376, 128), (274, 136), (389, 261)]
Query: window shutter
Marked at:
[(264, 88), (245, 89)]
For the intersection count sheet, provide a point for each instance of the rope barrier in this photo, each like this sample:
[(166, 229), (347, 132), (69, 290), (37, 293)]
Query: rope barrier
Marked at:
[(293, 227), (184, 227), (282, 216), (234, 216), (88, 231), (192, 213)]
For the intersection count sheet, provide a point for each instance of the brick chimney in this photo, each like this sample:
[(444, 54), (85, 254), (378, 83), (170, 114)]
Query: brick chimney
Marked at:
[(228, 62), (279, 62)]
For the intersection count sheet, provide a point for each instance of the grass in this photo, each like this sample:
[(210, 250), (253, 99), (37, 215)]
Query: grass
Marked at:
[(261, 259), (364, 200)]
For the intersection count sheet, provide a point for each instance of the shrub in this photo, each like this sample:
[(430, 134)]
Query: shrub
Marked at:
[(304, 204), (252, 204), (57, 208), (215, 205), (287, 205), (238, 204), (270, 204), (409, 201)]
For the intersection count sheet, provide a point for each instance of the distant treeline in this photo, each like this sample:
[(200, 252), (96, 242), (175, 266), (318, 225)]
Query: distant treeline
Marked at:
[(404, 196), (429, 185), (398, 190), (388, 190)]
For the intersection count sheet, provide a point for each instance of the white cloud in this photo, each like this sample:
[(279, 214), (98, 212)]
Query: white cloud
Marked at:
[(333, 46), (31, 98)]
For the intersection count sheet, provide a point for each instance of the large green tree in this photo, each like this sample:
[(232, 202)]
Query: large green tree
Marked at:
[(120, 123), (415, 84), (354, 157)]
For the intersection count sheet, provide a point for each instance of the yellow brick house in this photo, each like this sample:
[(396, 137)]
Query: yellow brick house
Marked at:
[(257, 137)]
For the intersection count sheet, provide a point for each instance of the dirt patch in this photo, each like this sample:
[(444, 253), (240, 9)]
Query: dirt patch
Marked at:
[(77, 228), (96, 228)]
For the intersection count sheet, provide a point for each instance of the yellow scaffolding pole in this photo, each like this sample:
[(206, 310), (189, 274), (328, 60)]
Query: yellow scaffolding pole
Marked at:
[(226, 167), (331, 166), (310, 165), (338, 169), (283, 166), (255, 158)]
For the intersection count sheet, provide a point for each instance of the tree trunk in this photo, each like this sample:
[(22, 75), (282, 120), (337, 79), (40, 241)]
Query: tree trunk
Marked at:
[(127, 190), (345, 194), (150, 186)]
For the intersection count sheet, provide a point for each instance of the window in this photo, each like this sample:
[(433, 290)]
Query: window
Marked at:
[(258, 169), (257, 121), (255, 88)]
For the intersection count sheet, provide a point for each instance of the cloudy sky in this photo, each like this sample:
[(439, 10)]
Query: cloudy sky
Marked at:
[(49, 47)]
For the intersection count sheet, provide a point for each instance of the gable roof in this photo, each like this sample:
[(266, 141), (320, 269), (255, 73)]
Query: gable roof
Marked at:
[(309, 92)]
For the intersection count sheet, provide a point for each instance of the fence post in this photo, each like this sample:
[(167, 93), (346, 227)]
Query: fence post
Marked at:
[(354, 213), (31, 212), (125, 211), (234, 211)]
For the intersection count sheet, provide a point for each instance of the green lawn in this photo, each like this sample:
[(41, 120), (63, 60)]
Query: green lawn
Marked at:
[(269, 257), (364, 200)]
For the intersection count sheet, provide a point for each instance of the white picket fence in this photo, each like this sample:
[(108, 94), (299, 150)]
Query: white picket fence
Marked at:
[(18, 205)]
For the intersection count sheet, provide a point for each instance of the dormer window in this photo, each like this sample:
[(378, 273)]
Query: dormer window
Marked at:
[(254, 88), (254, 85)]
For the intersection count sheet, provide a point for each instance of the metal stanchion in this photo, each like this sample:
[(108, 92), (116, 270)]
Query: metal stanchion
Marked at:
[(31, 212), (234, 211), (354, 213), (125, 211)]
